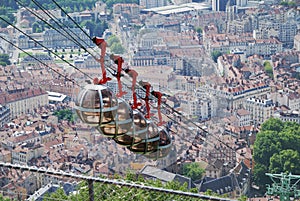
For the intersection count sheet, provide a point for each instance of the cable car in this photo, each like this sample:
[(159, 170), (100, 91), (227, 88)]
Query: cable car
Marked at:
[(122, 123), (148, 143), (164, 147), (96, 105), (139, 128)]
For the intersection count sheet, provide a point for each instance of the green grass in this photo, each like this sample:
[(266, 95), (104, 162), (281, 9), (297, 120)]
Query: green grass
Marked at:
[(23, 54)]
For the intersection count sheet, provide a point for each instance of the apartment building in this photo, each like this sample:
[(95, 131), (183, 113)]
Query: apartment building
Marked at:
[(86, 61), (24, 153), (297, 42), (260, 109), (244, 117), (245, 42), (201, 108), (24, 101), (190, 106), (21, 138), (153, 3), (287, 32), (131, 10), (37, 60), (4, 115), (293, 116), (53, 39), (235, 96), (151, 58), (148, 40)]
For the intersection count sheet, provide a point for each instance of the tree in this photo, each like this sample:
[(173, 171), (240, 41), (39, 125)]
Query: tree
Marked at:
[(36, 28), (117, 48), (58, 195), (64, 115), (215, 55), (268, 68), (276, 150), (3, 198), (3, 24), (7, 14), (272, 124), (267, 143), (193, 171), (199, 30), (285, 161), (100, 28), (112, 40), (4, 59)]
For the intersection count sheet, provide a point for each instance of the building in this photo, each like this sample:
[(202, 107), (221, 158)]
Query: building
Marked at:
[(35, 41), (24, 153), (38, 58), (293, 116), (4, 115), (128, 10), (236, 96), (235, 183), (261, 110), (24, 101), (287, 32), (219, 5), (148, 40), (262, 47), (55, 97), (244, 117), (151, 58), (152, 3), (86, 61), (55, 39), (297, 42), (150, 172)]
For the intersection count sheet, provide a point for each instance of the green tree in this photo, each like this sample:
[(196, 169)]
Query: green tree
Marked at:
[(268, 68), (6, 13), (3, 198), (276, 150), (199, 30), (193, 170), (215, 55), (267, 143), (36, 28), (66, 114), (117, 48), (4, 59), (286, 161), (3, 24), (100, 28), (112, 40), (58, 195)]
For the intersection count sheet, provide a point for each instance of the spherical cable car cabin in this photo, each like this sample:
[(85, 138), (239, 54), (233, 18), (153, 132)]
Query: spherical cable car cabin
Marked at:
[(139, 128), (164, 147), (122, 124), (96, 105), (148, 143)]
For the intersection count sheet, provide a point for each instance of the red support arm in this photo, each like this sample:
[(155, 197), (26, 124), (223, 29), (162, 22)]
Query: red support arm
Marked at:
[(158, 95), (102, 45), (119, 61), (133, 74)]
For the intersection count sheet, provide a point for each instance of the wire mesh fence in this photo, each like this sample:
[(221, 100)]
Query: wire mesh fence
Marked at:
[(33, 183)]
